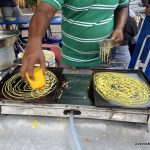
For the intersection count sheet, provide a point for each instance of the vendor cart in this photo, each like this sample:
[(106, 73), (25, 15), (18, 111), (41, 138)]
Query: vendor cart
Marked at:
[(71, 118), (47, 124)]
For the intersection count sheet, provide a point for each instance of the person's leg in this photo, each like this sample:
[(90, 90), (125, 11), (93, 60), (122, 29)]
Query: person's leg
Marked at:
[(7, 12), (123, 55), (16, 11)]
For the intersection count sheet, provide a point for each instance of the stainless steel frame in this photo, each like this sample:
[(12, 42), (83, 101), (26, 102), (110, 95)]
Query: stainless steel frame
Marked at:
[(26, 128), (90, 112)]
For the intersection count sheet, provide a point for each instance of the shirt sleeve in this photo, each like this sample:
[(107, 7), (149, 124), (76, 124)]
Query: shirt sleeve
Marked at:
[(55, 3), (123, 3)]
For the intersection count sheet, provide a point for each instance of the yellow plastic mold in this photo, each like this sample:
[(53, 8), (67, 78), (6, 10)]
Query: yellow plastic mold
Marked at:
[(39, 80)]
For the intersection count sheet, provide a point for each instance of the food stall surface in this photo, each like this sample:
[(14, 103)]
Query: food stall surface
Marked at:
[(48, 133), (21, 130), (24, 125)]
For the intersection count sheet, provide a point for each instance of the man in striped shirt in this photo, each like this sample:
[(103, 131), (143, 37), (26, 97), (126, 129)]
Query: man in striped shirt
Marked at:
[(84, 24)]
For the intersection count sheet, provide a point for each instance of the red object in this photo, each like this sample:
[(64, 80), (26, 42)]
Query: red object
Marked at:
[(56, 49)]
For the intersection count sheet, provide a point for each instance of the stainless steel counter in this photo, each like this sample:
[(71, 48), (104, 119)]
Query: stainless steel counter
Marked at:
[(49, 133), (26, 126)]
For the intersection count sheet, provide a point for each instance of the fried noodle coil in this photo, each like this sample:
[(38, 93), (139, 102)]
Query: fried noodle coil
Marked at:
[(121, 89), (16, 88)]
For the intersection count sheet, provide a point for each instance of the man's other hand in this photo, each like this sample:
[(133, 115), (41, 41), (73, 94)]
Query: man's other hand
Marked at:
[(117, 35)]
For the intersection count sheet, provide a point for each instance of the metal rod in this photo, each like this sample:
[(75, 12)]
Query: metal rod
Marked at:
[(141, 51), (146, 62)]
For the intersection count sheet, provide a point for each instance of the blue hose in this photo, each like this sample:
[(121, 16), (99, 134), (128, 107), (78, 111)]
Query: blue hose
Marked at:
[(74, 135)]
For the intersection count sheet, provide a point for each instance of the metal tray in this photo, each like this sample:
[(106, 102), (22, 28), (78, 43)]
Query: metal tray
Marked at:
[(74, 88), (45, 99), (99, 101)]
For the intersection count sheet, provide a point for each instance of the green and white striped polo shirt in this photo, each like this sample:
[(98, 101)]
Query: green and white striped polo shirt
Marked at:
[(85, 23)]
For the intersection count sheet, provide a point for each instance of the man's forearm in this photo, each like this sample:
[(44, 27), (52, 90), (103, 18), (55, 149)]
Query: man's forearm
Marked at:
[(40, 22), (121, 16)]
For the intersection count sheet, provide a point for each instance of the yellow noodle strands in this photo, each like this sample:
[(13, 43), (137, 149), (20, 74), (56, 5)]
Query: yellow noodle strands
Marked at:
[(16, 88), (121, 89)]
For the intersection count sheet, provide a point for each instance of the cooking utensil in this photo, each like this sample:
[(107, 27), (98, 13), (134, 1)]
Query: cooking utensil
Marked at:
[(107, 50), (44, 99), (7, 54)]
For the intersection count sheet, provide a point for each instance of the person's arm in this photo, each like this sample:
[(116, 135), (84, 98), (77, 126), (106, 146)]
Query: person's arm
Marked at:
[(121, 15), (37, 29), (147, 10)]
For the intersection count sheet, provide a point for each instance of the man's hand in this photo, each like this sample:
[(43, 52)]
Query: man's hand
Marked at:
[(33, 54), (37, 29), (121, 15), (117, 36)]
